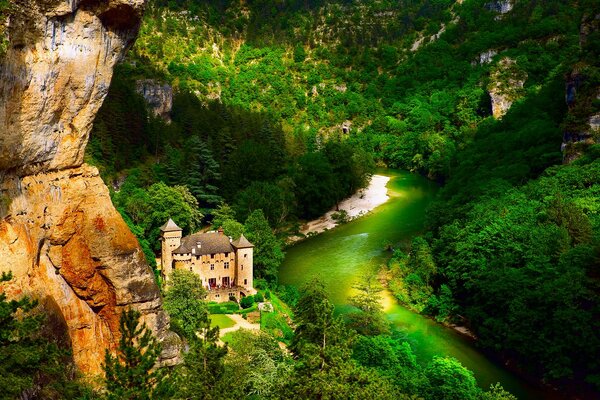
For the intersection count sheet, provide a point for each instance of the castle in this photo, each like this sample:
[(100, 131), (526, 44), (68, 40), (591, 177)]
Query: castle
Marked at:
[(224, 265)]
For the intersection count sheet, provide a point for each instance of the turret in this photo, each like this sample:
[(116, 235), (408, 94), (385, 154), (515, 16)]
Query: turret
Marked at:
[(243, 260), (170, 237)]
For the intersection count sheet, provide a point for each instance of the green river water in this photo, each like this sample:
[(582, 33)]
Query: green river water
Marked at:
[(342, 255)]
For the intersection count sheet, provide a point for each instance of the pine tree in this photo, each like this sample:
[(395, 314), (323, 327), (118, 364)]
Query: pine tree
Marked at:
[(321, 345), (267, 248), (320, 338), (173, 165), (131, 374), (202, 173), (200, 375), (33, 364)]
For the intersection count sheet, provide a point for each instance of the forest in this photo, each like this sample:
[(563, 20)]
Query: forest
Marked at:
[(325, 359), (281, 110)]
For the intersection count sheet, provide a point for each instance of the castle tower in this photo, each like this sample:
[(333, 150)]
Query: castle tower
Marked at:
[(243, 262), (170, 237)]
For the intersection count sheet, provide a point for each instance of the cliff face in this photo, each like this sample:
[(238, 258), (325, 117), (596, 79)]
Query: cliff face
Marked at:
[(55, 75), (506, 86), (158, 96), (582, 127), (59, 232)]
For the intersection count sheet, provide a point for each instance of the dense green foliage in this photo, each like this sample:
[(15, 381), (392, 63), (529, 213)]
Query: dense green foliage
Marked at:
[(186, 169), (32, 365), (513, 244), (317, 65), (368, 319), (183, 301), (333, 361), (218, 153), (130, 374), (199, 375), (281, 109), (267, 248), (328, 359)]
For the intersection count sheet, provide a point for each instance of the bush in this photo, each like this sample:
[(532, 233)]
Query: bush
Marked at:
[(288, 294), (246, 302), (341, 217), (260, 284), (258, 297)]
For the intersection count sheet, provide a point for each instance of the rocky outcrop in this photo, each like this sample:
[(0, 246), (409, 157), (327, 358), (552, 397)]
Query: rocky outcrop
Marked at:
[(485, 57), (500, 6), (159, 97), (59, 232), (55, 75), (506, 86), (581, 128), (594, 121), (589, 23), (62, 239)]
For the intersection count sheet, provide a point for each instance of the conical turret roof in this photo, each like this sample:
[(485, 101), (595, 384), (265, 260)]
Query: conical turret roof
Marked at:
[(170, 226), (242, 243)]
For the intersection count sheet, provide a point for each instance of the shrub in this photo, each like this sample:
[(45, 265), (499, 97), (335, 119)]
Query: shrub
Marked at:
[(260, 284), (246, 302), (258, 297), (289, 294), (341, 217)]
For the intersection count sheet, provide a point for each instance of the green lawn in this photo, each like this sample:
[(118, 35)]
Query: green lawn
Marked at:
[(228, 337), (223, 321)]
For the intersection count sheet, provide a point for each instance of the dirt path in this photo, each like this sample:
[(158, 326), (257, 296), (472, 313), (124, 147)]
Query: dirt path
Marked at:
[(239, 323)]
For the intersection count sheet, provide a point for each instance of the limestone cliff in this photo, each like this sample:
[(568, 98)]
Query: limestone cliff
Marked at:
[(506, 86), (581, 128), (59, 232), (159, 97)]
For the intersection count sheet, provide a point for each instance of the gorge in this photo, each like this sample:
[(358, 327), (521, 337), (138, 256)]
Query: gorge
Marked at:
[(260, 117)]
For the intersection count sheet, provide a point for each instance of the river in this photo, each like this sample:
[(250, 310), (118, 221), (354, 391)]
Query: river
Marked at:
[(344, 254)]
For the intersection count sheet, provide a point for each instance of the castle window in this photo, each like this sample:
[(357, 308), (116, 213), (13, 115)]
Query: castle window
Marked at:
[(226, 265), (226, 254), (245, 255), (212, 267), (212, 256), (217, 296), (245, 281)]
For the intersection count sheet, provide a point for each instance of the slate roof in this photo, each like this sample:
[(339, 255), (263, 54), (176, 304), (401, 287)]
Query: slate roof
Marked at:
[(210, 243), (242, 243), (170, 226)]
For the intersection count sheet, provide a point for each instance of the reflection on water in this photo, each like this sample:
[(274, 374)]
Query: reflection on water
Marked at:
[(342, 256)]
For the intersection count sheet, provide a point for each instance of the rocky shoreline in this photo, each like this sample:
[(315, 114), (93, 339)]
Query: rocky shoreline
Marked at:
[(360, 203)]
